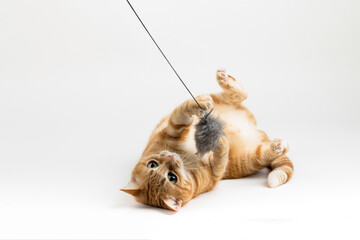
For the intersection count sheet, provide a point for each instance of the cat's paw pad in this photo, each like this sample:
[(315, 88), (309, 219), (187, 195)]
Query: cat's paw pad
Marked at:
[(226, 81), (221, 75), (191, 107), (279, 146), (206, 102)]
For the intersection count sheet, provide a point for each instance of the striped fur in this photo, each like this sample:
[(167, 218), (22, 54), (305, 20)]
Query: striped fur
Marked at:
[(242, 152)]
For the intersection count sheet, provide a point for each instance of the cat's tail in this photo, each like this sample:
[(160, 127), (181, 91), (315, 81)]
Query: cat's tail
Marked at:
[(282, 170)]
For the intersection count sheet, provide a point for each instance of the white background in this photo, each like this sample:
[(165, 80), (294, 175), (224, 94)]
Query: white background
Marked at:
[(82, 86)]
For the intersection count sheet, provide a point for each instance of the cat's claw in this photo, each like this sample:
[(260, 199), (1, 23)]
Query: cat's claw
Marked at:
[(279, 146)]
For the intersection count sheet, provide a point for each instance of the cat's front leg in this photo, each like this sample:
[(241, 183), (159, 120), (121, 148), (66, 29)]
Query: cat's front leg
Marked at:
[(219, 159), (211, 168), (234, 93), (182, 117)]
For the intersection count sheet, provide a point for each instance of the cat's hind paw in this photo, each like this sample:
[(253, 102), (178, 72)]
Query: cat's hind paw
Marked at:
[(226, 81), (279, 146), (221, 75)]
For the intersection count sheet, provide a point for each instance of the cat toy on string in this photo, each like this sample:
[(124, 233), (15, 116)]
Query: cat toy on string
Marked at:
[(209, 129)]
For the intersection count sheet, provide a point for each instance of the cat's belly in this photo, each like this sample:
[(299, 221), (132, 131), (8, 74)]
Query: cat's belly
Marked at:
[(240, 129), (243, 137), (239, 126), (241, 133)]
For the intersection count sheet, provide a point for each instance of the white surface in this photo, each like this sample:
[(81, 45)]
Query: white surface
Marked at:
[(82, 86)]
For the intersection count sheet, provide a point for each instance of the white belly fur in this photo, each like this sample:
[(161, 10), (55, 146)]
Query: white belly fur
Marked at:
[(238, 122), (189, 144)]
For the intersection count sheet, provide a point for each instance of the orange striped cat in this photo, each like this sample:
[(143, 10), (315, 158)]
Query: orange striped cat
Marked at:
[(169, 173)]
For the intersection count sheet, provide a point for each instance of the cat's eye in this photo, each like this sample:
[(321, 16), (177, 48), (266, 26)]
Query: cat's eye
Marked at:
[(172, 178), (152, 164)]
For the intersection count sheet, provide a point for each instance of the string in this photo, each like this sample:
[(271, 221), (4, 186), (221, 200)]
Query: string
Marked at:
[(165, 57)]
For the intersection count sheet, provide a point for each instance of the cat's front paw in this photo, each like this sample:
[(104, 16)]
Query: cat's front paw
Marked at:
[(279, 146), (192, 108), (206, 102)]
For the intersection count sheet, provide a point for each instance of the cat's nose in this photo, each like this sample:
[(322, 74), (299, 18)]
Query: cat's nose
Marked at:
[(173, 159), (170, 157)]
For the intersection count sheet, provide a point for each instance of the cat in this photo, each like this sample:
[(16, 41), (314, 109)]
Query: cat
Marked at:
[(169, 173)]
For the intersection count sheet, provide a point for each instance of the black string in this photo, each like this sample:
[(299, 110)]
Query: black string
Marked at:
[(207, 114), (165, 56)]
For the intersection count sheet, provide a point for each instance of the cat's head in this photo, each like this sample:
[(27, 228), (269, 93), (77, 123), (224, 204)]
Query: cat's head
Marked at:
[(160, 180)]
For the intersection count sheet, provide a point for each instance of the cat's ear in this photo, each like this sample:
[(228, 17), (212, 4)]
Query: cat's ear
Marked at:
[(173, 204), (132, 188)]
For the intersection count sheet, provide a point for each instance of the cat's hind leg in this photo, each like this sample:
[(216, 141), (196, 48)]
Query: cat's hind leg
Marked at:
[(232, 88), (271, 154), (281, 166), (245, 161), (233, 93)]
